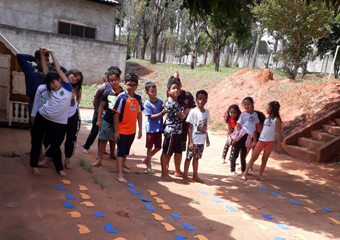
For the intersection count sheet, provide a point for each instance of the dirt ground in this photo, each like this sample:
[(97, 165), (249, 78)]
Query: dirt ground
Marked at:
[(32, 207)]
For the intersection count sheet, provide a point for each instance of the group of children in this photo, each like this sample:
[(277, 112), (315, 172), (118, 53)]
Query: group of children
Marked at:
[(54, 114)]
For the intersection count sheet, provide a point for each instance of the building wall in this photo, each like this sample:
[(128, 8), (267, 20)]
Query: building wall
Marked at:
[(43, 15), (91, 57)]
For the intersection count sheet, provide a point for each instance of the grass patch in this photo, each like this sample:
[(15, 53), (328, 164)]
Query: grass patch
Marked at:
[(82, 162), (99, 182), (12, 154), (195, 201), (87, 96), (214, 126), (88, 168)]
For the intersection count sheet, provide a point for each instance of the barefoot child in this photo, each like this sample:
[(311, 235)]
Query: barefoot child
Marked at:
[(172, 127), (52, 116), (231, 117), (244, 134), (271, 127), (197, 119), (128, 109), (154, 124), (108, 100)]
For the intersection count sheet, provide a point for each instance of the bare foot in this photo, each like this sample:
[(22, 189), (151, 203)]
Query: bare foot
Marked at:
[(222, 161), (179, 174), (145, 162), (36, 172), (44, 163), (234, 173), (126, 165), (126, 170), (68, 164), (166, 177), (96, 164), (186, 180), (62, 173), (122, 180), (243, 178), (260, 178), (197, 180)]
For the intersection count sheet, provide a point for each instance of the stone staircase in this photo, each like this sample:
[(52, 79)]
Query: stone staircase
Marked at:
[(317, 142)]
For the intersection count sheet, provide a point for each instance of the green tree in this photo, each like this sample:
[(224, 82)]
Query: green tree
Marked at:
[(329, 44), (297, 24)]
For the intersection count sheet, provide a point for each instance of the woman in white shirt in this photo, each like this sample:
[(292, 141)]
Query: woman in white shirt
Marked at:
[(271, 127), (52, 117)]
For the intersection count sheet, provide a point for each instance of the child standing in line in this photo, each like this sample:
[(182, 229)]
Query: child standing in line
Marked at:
[(154, 126), (244, 134), (172, 127), (197, 120), (231, 117), (271, 127), (128, 108)]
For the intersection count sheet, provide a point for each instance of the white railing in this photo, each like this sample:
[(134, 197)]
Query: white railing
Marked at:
[(18, 112)]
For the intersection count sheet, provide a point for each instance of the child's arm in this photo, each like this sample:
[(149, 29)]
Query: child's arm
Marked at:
[(35, 108), (254, 139), (140, 124), (160, 114), (229, 128), (98, 95), (56, 65), (100, 112), (78, 96), (191, 144), (259, 128), (43, 62), (278, 135), (207, 140), (184, 114), (115, 126), (237, 126)]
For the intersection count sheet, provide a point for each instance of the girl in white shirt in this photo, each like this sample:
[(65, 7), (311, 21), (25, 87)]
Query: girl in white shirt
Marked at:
[(271, 127), (52, 117)]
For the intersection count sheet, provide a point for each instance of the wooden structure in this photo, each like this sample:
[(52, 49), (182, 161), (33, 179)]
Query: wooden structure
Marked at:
[(13, 99)]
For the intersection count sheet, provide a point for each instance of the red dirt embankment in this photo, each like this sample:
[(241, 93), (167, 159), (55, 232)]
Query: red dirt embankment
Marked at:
[(301, 102)]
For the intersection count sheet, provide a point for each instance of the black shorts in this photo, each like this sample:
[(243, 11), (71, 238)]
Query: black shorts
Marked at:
[(124, 144), (172, 144)]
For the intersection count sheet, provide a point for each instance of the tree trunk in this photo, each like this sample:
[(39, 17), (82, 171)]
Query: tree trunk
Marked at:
[(326, 64), (227, 58), (182, 37), (249, 58), (253, 62), (120, 21), (154, 44), (196, 50), (138, 37), (164, 50), (267, 65), (114, 33), (205, 55), (231, 55), (217, 60), (295, 68), (275, 46), (144, 48), (160, 47), (237, 57)]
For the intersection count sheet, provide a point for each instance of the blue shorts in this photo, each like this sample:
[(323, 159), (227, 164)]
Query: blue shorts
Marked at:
[(124, 144)]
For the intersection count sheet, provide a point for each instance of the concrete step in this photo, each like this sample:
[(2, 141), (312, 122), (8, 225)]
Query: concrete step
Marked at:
[(302, 153), (310, 143), (322, 135), (334, 130), (337, 121)]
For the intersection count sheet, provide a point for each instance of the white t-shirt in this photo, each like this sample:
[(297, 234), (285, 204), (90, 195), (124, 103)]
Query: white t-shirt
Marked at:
[(56, 108), (41, 97), (268, 131), (248, 122), (199, 123)]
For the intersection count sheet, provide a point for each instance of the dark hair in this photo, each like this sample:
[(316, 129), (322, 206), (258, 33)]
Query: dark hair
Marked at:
[(149, 85), (250, 99), (50, 77), (172, 78), (202, 92), (115, 68), (77, 86), (111, 73), (37, 55), (274, 109), (261, 116), (131, 77), (170, 83), (227, 115)]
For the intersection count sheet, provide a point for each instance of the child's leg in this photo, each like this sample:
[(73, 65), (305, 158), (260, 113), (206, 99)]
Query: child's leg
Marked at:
[(148, 158), (104, 135), (178, 160), (233, 156), (254, 157), (225, 150), (120, 165), (72, 130), (195, 177), (112, 149), (187, 165), (164, 163), (267, 151), (38, 133), (243, 150), (101, 151)]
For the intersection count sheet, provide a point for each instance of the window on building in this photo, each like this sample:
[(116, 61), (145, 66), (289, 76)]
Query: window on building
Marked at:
[(76, 30)]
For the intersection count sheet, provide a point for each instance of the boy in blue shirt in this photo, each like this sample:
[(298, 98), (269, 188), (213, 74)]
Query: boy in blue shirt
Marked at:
[(153, 110)]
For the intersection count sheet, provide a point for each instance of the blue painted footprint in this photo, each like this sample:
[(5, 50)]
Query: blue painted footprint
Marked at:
[(327, 209), (232, 209), (284, 227), (267, 216), (99, 214), (180, 238), (188, 227), (202, 191), (70, 196), (149, 207), (60, 187), (109, 229), (144, 199), (67, 204), (295, 202), (133, 191), (130, 185), (278, 195), (217, 200), (175, 216), (263, 188), (279, 238)]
